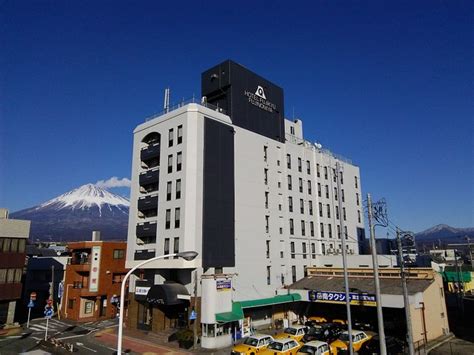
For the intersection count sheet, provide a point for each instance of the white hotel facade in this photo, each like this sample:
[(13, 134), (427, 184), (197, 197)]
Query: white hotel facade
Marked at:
[(253, 204)]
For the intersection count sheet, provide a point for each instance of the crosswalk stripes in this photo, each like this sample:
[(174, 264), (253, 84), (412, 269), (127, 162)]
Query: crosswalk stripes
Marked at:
[(53, 326)]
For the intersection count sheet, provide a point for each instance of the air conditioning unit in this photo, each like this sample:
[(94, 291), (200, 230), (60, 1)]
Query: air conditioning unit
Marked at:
[(330, 251)]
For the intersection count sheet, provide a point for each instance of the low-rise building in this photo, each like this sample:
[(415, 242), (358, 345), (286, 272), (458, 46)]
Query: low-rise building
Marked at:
[(13, 236), (93, 278)]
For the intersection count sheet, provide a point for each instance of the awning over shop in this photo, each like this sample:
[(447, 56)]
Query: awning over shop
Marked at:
[(237, 307), (166, 294)]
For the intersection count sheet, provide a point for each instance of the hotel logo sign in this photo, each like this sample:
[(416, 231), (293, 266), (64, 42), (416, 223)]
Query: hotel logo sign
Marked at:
[(259, 99)]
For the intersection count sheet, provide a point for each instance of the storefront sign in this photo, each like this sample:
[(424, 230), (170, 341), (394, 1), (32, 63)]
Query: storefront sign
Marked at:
[(358, 299), (224, 285), (95, 266), (141, 290)]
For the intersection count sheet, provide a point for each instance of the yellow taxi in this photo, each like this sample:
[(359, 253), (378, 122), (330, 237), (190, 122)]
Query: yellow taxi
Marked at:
[(252, 345), (340, 321), (317, 347), (296, 332), (358, 339), (285, 346), (317, 319)]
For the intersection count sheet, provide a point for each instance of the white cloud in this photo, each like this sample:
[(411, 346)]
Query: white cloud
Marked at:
[(113, 182)]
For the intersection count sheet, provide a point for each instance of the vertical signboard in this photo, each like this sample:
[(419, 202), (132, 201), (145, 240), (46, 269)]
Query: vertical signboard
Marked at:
[(95, 266)]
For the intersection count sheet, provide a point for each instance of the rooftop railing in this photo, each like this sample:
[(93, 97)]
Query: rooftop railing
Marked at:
[(182, 103)]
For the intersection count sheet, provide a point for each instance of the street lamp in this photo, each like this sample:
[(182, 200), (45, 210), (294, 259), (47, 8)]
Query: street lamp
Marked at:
[(186, 255)]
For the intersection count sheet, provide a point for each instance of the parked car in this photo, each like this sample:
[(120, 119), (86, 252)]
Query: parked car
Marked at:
[(314, 320), (252, 345), (363, 325), (327, 332), (340, 321), (359, 337), (295, 332), (316, 347), (285, 346), (394, 346)]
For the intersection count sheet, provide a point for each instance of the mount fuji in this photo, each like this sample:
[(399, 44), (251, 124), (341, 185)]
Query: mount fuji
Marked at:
[(75, 214)]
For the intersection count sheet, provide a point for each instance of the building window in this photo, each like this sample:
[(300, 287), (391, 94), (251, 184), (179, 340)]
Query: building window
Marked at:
[(338, 231), (279, 207), (356, 183), (328, 208), (319, 189), (303, 246), (170, 163), (337, 212), (179, 161), (330, 230), (292, 227), (88, 307), (357, 199), (10, 275), (326, 172), (345, 232), (168, 219), (6, 245), (310, 207), (178, 189), (265, 176), (335, 193), (119, 253), (321, 227), (268, 249), (278, 162), (170, 137), (303, 228), (320, 209), (265, 153), (166, 249), (266, 199), (344, 213), (282, 279), (301, 206), (327, 191), (309, 188), (313, 250), (292, 130), (342, 196), (281, 230), (308, 167), (168, 191), (300, 167), (311, 228), (288, 161), (3, 275), (267, 224), (289, 183), (334, 175), (292, 249), (300, 182), (358, 216), (318, 172), (268, 275), (323, 249), (180, 134), (70, 303), (14, 245), (290, 204), (293, 273), (342, 178), (176, 246), (177, 217)]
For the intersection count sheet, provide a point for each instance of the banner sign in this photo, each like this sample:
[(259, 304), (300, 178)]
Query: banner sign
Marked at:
[(357, 299), (95, 265), (224, 285)]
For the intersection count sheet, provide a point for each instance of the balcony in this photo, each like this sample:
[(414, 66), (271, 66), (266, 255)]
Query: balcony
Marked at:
[(148, 203), (152, 152), (146, 230), (144, 254), (149, 178)]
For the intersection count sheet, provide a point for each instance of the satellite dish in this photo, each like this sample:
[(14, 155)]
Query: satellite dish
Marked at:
[(318, 145)]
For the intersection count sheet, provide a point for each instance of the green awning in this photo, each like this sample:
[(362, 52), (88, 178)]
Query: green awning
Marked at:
[(237, 312), (292, 297), (235, 315)]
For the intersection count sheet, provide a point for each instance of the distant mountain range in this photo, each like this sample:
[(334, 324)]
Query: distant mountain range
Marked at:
[(75, 214), (443, 234)]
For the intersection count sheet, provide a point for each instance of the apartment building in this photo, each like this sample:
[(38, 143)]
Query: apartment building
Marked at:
[(232, 179), (13, 236)]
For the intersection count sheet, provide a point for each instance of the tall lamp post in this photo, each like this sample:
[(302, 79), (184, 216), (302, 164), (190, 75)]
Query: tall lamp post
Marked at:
[(186, 255)]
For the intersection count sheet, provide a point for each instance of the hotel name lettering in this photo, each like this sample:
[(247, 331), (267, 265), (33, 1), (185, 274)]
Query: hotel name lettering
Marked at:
[(260, 102)]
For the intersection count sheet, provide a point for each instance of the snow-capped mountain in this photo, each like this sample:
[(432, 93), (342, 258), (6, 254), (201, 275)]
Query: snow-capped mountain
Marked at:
[(443, 233), (75, 214)]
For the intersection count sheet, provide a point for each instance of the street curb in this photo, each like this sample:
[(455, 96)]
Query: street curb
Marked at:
[(434, 346)]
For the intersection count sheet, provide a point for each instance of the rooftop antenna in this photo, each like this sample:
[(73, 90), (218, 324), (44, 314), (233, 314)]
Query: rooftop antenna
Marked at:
[(166, 103)]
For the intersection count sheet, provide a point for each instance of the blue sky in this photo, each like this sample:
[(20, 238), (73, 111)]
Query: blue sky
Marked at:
[(388, 84)]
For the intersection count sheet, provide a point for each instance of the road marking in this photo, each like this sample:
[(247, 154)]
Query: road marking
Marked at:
[(85, 347), (36, 338), (11, 337), (73, 336)]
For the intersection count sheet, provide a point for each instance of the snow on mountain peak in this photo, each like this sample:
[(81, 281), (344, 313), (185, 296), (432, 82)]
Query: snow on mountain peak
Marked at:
[(86, 196)]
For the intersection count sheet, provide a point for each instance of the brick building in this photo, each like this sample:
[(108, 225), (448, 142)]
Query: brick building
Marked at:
[(92, 279), (13, 236)]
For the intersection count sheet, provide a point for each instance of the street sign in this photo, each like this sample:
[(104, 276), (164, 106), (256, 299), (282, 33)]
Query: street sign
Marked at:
[(33, 296), (193, 315), (49, 302), (31, 304), (60, 289), (48, 313)]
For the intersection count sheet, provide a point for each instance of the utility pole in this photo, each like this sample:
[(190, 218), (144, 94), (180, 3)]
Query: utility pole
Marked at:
[(195, 336), (51, 291), (344, 257), (373, 247), (406, 301), (469, 249)]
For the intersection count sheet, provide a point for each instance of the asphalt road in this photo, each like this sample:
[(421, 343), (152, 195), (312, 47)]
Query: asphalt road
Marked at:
[(79, 335)]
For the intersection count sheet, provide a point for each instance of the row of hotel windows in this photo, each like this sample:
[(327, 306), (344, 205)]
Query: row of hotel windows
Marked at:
[(311, 228), (169, 190), (10, 275), (177, 218), (179, 136), (167, 250), (179, 162), (12, 245)]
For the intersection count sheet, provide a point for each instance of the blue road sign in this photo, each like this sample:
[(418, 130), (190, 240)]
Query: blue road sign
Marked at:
[(60, 289), (31, 304), (48, 313), (193, 315)]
